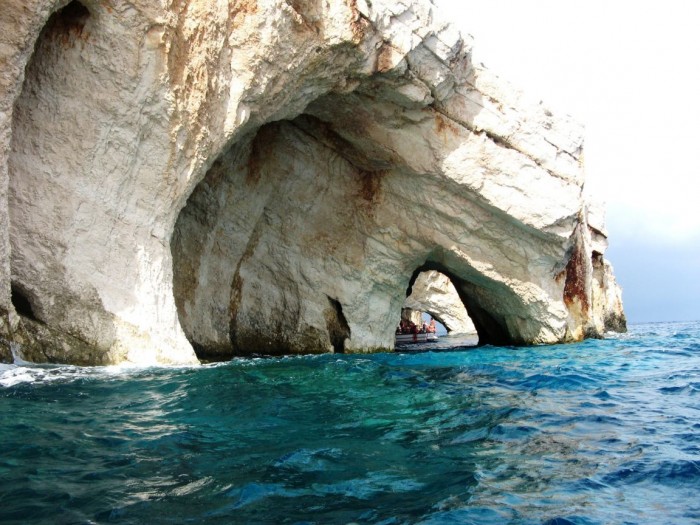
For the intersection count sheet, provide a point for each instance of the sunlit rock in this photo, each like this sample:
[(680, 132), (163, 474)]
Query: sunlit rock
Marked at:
[(433, 293), (267, 177)]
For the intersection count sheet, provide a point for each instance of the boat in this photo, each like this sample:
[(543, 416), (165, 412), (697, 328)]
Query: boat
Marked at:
[(416, 338)]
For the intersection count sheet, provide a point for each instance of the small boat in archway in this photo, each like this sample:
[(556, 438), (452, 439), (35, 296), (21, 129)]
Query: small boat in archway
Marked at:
[(425, 337)]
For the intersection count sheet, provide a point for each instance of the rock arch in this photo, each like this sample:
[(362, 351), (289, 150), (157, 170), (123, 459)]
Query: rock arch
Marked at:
[(334, 203), (226, 171), (433, 293)]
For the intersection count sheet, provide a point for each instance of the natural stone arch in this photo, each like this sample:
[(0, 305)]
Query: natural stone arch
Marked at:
[(298, 214), (161, 94), (433, 293), (499, 315)]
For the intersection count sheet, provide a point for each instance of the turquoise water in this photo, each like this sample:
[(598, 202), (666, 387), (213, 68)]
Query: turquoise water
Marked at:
[(598, 432)]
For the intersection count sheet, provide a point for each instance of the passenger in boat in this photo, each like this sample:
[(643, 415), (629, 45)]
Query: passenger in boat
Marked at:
[(432, 328), (424, 328), (414, 330)]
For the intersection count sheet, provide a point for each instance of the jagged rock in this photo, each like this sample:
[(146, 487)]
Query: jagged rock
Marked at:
[(266, 176), (5, 348), (434, 293)]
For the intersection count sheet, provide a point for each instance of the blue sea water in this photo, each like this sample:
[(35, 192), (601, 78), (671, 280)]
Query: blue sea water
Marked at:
[(601, 432)]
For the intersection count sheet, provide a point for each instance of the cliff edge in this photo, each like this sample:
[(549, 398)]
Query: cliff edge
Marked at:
[(206, 179)]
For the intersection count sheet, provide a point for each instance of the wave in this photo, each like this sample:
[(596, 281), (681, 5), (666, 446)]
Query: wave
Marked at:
[(685, 473), (604, 431)]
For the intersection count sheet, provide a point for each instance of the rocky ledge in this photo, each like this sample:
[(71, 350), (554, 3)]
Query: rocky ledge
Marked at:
[(206, 179)]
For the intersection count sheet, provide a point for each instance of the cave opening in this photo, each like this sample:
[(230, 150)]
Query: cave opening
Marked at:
[(46, 107), (431, 295), (257, 240), (483, 304), (300, 234), (68, 23), (22, 303), (338, 328)]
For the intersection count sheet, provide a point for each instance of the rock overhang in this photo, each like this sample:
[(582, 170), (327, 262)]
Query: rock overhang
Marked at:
[(432, 160)]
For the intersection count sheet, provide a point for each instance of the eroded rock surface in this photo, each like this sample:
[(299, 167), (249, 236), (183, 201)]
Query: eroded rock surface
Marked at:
[(267, 176)]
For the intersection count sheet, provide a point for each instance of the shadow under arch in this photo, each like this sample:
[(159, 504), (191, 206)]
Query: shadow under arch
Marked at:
[(258, 236), (491, 326)]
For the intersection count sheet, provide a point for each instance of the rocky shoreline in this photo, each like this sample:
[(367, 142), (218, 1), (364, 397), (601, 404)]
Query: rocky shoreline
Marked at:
[(219, 179)]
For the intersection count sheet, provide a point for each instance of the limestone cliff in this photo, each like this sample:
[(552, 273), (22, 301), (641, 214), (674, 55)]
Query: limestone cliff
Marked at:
[(266, 176)]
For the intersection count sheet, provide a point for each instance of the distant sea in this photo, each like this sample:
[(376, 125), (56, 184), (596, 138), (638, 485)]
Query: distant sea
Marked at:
[(601, 432)]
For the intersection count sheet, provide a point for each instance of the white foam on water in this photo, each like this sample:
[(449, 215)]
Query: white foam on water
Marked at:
[(16, 355), (26, 372), (11, 375)]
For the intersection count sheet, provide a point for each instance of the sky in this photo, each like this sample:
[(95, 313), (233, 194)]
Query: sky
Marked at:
[(630, 73)]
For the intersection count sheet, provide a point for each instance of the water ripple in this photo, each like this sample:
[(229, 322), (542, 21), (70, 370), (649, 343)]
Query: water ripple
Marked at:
[(603, 432)]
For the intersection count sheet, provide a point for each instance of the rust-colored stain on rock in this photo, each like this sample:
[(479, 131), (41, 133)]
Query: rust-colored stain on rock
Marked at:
[(370, 183), (575, 285), (241, 9), (443, 125), (385, 58)]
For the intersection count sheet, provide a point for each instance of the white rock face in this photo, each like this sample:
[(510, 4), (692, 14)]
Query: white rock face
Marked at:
[(266, 176), (434, 293)]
